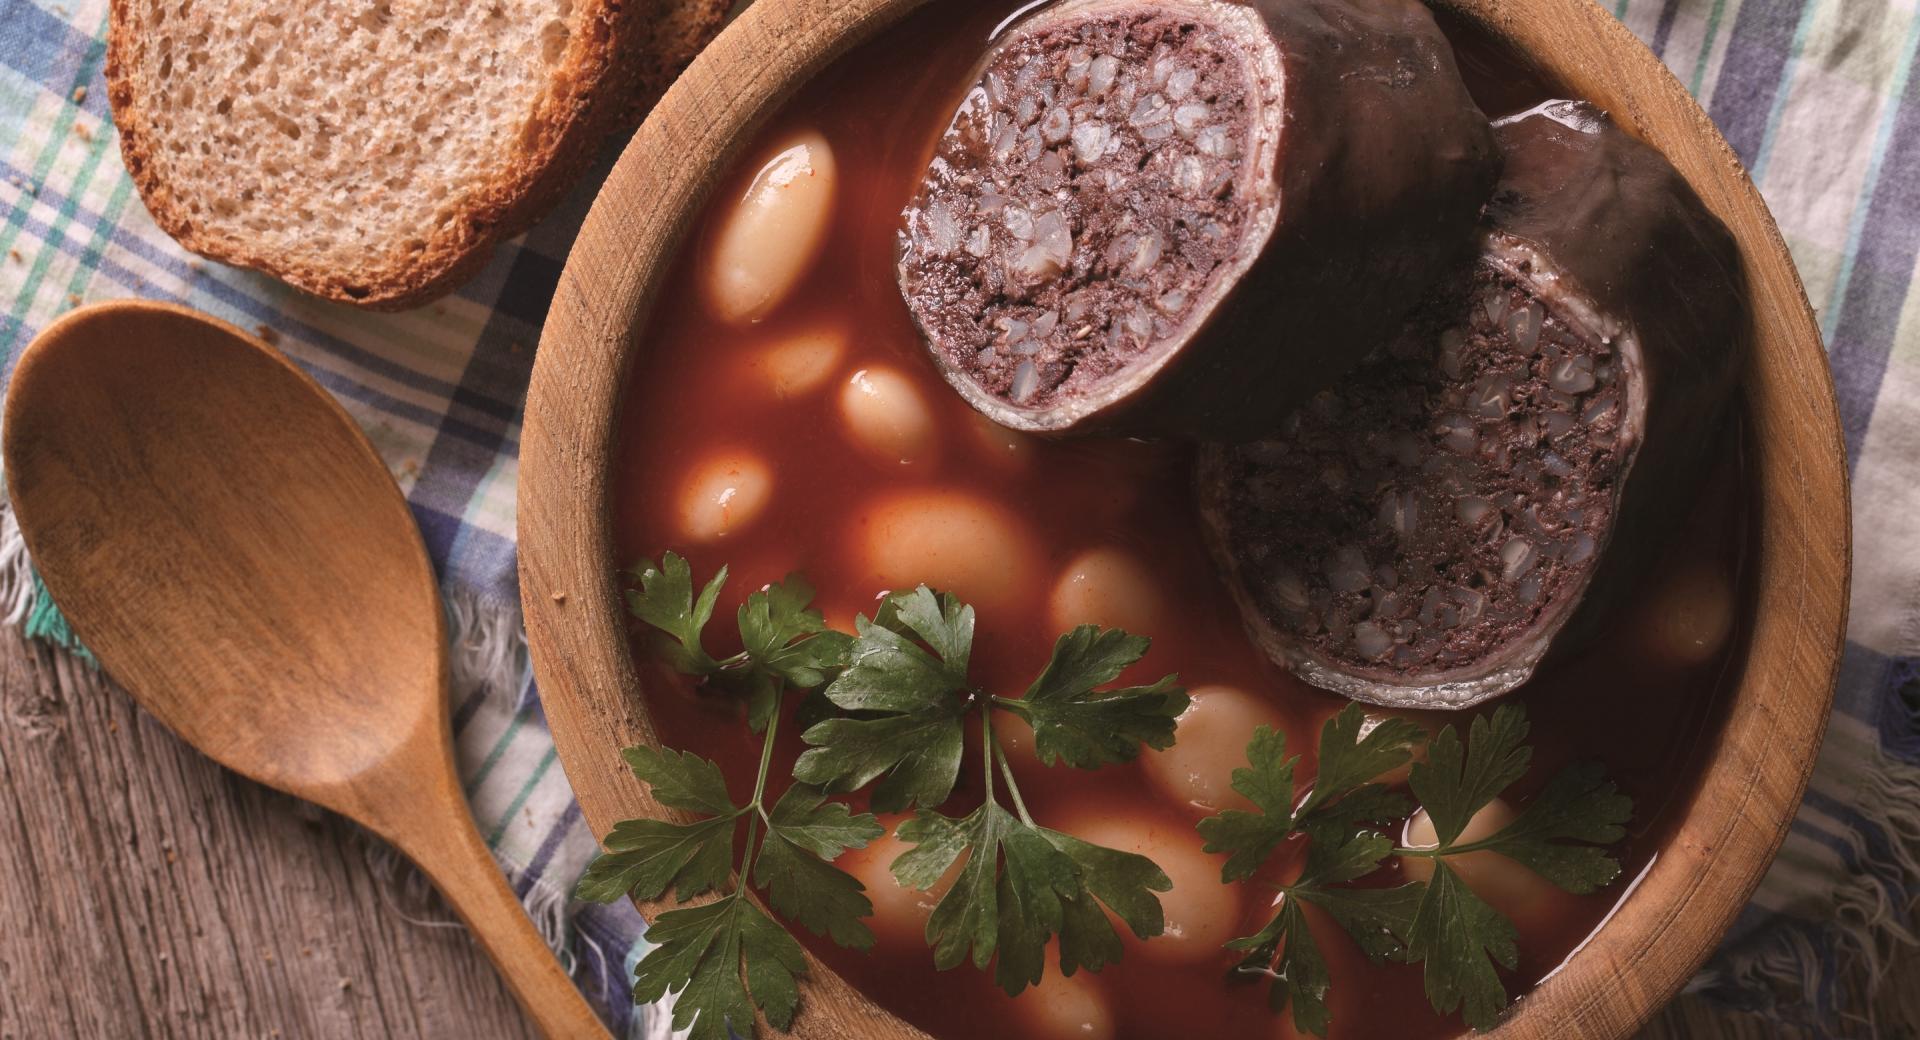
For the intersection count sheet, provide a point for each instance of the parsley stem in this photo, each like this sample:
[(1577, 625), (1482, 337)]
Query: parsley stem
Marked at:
[(991, 753), (1013, 787), (746, 862), (1440, 851), (766, 757), (995, 753), (987, 744), (758, 805)]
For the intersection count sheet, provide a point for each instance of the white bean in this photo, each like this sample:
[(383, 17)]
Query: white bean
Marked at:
[(951, 540), (899, 913), (1108, 587), (762, 248), (1066, 1007), (1692, 616), (723, 494), (800, 364), (1201, 912), (1210, 740), (1009, 448), (887, 417)]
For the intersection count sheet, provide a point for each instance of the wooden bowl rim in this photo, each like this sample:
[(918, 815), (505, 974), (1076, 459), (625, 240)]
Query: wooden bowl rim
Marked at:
[(1732, 824)]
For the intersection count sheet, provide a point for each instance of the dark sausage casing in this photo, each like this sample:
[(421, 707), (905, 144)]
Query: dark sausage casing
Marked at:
[(1421, 534), (1186, 216)]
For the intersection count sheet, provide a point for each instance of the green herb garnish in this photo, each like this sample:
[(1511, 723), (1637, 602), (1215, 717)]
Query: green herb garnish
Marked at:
[(1442, 923), (885, 708), (907, 680), (1558, 836), (1345, 800), (726, 956)]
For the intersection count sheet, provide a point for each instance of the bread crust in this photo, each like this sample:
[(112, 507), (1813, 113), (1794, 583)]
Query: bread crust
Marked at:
[(624, 55)]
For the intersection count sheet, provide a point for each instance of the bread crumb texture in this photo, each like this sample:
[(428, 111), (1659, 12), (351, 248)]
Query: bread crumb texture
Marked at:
[(373, 150)]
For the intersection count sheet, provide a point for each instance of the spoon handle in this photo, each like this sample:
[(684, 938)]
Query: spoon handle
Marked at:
[(443, 840)]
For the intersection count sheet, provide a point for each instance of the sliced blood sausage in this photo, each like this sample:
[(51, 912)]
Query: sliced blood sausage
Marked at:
[(1424, 532), (1174, 217)]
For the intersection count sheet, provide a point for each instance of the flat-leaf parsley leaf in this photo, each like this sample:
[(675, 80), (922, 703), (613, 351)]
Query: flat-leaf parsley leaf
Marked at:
[(1090, 728)]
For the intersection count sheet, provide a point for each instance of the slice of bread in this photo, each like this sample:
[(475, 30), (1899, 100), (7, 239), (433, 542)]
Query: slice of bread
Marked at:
[(373, 151)]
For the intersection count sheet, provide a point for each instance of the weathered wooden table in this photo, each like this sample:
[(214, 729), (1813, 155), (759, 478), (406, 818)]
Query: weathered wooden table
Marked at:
[(146, 892)]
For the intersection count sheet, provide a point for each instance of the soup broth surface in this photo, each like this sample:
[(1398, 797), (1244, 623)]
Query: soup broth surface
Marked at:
[(814, 436)]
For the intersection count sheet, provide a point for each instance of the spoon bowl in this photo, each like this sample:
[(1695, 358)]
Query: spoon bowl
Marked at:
[(228, 543), (223, 537)]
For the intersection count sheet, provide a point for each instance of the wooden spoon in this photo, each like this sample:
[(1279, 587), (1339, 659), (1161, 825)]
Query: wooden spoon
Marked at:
[(224, 538)]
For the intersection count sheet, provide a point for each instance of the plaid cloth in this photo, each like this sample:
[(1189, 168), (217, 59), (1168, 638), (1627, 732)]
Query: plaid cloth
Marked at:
[(438, 390), (1820, 100), (1816, 95)]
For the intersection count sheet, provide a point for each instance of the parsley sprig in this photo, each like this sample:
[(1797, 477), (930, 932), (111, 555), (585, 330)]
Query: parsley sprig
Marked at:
[(910, 696), (726, 956), (885, 709), (1560, 835), (1442, 924), (1338, 816)]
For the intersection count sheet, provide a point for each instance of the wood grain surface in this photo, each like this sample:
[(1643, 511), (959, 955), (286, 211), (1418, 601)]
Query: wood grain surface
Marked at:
[(219, 531), (1758, 762), (150, 893)]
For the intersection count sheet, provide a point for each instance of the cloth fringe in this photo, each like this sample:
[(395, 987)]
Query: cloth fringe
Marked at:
[(411, 897), (655, 1022), (488, 658), (488, 649), (17, 581), (24, 602), (1794, 968)]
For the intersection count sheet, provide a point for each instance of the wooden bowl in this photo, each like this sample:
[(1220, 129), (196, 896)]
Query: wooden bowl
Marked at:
[(1759, 761)]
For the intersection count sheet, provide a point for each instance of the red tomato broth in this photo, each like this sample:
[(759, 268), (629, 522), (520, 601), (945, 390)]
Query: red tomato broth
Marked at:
[(881, 107)]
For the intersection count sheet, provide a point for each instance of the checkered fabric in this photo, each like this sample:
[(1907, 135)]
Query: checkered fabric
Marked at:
[(1819, 99), (1817, 96)]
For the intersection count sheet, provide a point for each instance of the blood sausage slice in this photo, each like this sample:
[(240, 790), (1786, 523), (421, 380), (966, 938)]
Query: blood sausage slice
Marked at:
[(1186, 217), (1422, 534)]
